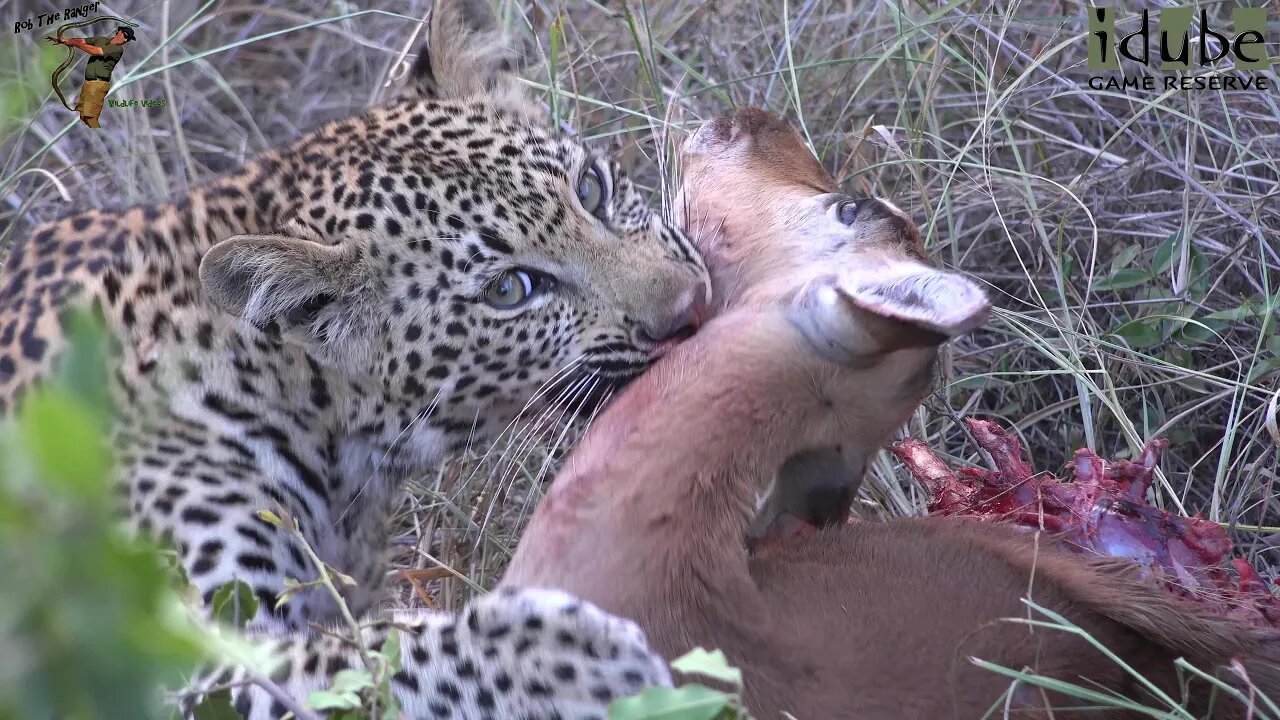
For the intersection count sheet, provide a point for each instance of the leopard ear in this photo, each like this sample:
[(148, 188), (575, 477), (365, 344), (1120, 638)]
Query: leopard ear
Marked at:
[(306, 291), (468, 56)]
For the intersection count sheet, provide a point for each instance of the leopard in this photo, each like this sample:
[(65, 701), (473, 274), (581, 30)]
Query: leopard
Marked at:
[(306, 334), (525, 653)]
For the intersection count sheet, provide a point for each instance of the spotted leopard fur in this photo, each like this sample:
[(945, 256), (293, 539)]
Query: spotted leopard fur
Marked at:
[(310, 332), (520, 654)]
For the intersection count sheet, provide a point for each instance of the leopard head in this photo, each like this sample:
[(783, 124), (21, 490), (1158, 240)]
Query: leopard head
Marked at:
[(457, 254)]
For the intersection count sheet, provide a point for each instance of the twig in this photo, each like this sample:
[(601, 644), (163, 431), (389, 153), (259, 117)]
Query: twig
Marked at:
[(284, 698)]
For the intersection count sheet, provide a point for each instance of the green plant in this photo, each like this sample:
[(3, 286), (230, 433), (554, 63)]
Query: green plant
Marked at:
[(92, 624), (691, 701), (362, 693)]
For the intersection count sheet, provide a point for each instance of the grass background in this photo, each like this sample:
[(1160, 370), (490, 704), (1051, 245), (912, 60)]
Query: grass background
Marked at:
[(1131, 242)]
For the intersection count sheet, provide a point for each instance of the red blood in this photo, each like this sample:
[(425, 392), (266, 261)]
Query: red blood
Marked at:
[(1100, 509)]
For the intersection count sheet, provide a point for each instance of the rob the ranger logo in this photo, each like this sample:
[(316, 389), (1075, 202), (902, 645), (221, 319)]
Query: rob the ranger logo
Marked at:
[(1180, 52)]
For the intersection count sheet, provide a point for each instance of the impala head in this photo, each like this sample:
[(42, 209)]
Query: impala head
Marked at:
[(853, 276), (774, 229)]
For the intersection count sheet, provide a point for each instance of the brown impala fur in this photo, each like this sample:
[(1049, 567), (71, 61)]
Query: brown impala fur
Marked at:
[(826, 336)]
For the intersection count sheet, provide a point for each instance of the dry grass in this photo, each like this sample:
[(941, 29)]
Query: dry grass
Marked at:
[(1131, 242)]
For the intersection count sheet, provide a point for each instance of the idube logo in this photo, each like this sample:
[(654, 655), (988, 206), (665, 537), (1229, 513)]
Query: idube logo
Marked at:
[(1179, 52)]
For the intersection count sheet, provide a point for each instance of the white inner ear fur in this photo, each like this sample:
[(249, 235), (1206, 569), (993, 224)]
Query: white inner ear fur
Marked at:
[(266, 278), (938, 300), (262, 278)]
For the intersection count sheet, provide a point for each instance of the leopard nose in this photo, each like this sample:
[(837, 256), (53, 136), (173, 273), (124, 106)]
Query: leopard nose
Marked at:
[(663, 331)]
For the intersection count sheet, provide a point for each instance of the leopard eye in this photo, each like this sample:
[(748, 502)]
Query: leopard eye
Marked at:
[(510, 289), (592, 191), (847, 211)]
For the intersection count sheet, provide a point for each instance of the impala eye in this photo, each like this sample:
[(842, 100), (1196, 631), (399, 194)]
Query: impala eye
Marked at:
[(593, 193), (847, 211), (510, 289)]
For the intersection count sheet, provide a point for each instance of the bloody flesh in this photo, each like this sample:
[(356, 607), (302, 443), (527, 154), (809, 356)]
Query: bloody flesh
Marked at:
[(1101, 508)]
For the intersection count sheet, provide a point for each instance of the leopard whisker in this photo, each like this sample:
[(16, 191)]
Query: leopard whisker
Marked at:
[(571, 406), (546, 387), (523, 443), (543, 428), (551, 451), (586, 427), (530, 426)]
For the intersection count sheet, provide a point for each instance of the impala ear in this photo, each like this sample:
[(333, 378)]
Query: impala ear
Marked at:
[(468, 56), (871, 312), (312, 293), (943, 302)]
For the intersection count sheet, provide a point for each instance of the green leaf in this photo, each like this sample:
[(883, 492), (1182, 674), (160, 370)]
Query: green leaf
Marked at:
[(1124, 258), (217, 706), (1162, 260), (1195, 332), (268, 516), (1068, 266), (1200, 277), (691, 702), (66, 440), (352, 680), (390, 652), (391, 649), (328, 700), (342, 578), (83, 367), (1263, 369), (1122, 279), (1140, 333), (234, 603), (343, 692), (712, 664), (1247, 310), (291, 588), (94, 611)]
